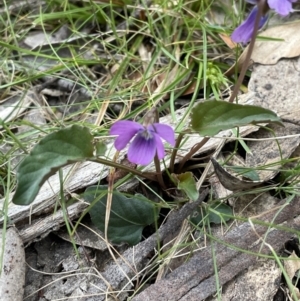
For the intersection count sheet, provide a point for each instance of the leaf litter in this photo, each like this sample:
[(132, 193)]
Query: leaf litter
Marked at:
[(269, 87)]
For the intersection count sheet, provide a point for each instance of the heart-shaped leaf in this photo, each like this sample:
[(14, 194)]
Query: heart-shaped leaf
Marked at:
[(187, 183), (246, 172), (216, 213), (128, 216), (56, 150), (101, 148), (210, 117)]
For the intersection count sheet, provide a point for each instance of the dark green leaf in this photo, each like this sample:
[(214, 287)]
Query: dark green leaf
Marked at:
[(56, 150), (100, 148), (245, 172), (210, 117), (216, 213), (128, 216), (186, 183), (198, 217), (289, 174)]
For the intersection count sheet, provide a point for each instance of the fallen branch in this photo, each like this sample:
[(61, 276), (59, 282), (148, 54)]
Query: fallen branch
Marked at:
[(195, 280)]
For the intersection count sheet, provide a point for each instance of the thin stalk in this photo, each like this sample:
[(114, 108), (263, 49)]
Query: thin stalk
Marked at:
[(174, 152), (136, 172), (260, 6), (12, 135), (153, 113), (194, 149), (159, 173)]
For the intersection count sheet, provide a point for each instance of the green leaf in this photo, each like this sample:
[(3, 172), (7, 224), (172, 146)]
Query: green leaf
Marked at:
[(128, 216), (289, 174), (210, 117), (216, 213), (246, 172), (186, 183), (101, 148), (56, 150)]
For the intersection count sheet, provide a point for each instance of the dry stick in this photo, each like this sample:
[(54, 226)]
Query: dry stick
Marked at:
[(196, 147), (196, 279)]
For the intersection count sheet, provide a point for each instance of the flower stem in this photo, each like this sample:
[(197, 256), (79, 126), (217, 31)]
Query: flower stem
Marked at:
[(174, 152), (159, 176), (136, 172), (260, 6), (194, 149)]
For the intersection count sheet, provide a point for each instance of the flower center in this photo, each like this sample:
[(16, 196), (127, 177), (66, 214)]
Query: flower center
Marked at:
[(146, 134)]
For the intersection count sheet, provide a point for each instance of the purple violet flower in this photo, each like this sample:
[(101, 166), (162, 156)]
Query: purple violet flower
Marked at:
[(243, 33), (147, 140), (282, 7)]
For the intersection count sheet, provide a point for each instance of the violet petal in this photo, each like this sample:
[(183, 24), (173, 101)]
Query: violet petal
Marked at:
[(165, 131), (141, 151), (243, 33), (282, 7), (160, 149), (126, 130)]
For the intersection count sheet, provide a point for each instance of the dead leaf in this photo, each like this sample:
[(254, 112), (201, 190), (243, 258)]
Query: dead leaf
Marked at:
[(229, 181), (291, 266), (41, 38), (227, 40), (13, 106), (252, 205)]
